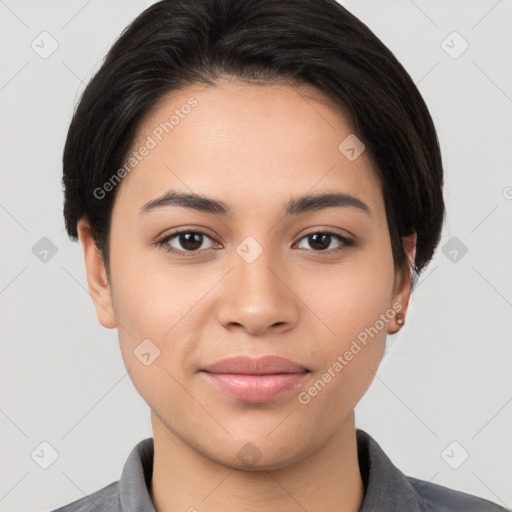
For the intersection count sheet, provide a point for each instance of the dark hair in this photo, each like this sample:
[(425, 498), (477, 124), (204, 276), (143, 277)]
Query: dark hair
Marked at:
[(176, 43)]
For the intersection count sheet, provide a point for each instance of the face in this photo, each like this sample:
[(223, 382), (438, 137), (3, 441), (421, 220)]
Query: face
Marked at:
[(313, 285)]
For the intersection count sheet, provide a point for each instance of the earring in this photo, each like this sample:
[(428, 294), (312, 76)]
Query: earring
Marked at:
[(400, 320)]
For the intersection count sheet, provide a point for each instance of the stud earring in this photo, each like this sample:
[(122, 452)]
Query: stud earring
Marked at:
[(400, 320)]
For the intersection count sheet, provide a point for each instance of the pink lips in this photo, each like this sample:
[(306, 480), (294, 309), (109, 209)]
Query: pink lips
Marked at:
[(255, 380)]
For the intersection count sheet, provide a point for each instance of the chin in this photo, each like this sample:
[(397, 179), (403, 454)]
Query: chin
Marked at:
[(255, 453)]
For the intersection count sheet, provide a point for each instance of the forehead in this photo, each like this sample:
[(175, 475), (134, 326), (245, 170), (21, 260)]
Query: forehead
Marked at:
[(252, 145)]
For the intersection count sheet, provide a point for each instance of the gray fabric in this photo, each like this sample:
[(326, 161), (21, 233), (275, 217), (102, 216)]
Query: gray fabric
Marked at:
[(386, 487)]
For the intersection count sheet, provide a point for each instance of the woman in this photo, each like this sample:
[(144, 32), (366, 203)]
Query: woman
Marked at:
[(257, 186)]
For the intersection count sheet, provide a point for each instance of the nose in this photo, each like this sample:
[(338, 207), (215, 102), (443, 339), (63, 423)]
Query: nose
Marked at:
[(258, 296)]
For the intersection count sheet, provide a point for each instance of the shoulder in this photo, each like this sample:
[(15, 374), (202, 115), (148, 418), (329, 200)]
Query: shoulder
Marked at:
[(434, 497), (105, 499), (387, 488), (130, 492)]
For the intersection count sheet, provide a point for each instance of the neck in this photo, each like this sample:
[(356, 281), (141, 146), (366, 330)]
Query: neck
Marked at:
[(184, 479)]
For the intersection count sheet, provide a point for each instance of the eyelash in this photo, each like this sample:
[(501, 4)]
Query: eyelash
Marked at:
[(346, 242)]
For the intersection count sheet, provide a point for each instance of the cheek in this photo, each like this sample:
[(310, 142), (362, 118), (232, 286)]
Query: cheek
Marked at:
[(156, 299), (354, 306), (161, 303), (358, 314), (350, 297), (147, 294)]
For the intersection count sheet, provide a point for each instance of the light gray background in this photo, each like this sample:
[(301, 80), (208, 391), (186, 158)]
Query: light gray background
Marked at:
[(446, 376)]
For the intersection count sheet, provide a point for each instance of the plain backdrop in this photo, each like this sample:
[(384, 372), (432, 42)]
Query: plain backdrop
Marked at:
[(444, 389)]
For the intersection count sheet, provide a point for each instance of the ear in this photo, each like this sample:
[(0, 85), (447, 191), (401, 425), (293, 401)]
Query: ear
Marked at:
[(99, 288), (403, 283)]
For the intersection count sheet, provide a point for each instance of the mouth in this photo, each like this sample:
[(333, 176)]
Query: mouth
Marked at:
[(255, 379)]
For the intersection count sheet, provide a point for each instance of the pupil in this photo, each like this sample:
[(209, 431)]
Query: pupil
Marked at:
[(187, 241), (313, 241), (192, 241)]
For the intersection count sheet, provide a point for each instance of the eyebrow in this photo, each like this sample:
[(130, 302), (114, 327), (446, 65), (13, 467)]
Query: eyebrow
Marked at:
[(295, 206)]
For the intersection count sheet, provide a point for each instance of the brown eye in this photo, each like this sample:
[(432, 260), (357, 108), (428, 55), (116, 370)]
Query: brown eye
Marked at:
[(321, 241), (190, 243), (184, 242)]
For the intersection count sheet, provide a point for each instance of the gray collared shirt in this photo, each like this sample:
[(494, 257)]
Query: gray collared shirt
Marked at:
[(386, 487)]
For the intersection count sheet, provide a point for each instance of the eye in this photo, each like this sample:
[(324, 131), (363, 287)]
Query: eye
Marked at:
[(320, 241), (190, 242)]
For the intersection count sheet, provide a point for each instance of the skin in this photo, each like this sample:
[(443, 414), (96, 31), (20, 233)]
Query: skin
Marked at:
[(253, 147)]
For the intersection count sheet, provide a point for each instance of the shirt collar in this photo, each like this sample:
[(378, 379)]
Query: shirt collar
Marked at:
[(386, 487)]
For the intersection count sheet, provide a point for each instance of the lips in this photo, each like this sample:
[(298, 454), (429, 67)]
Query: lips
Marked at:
[(246, 365), (255, 379)]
